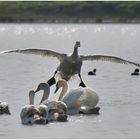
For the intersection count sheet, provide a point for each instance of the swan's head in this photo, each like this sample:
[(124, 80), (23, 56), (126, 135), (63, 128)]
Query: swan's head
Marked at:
[(77, 44), (60, 84), (4, 108), (43, 86)]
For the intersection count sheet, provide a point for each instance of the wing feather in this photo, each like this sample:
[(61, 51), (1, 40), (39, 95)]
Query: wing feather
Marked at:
[(108, 58), (42, 52)]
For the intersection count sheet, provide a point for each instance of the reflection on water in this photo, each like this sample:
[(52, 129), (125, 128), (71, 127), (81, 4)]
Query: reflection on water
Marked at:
[(117, 89)]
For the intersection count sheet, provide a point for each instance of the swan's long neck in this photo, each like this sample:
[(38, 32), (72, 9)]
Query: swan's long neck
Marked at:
[(31, 97), (64, 91), (45, 94), (75, 52)]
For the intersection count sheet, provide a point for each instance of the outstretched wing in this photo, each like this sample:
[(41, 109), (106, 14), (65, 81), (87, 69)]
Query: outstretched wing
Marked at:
[(108, 58), (42, 52)]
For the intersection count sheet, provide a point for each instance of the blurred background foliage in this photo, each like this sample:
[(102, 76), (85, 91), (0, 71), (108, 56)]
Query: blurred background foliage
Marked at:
[(70, 11)]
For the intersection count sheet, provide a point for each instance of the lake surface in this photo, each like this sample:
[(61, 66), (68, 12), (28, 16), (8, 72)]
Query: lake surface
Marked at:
[(119, 92)]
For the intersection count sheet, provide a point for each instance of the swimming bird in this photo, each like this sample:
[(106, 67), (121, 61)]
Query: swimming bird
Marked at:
[(136, 72), (4, 108), (92, 72), (78, 100), (70, 64), (57, 109), (32, 115)]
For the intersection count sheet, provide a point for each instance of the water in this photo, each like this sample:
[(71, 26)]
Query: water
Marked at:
[(118, 90)]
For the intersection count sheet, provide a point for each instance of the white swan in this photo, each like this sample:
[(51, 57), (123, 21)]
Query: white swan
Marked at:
[(4, 108), (57, 109), (70, 65), (78, 100), (32, 115)]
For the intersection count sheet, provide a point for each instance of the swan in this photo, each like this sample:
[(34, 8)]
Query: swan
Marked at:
[(92, 72), (70, 64), (4, 108), (136, 72), (31, 115), (57, 109), (78, 100)]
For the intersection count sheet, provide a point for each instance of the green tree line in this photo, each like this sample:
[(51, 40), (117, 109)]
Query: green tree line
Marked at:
[(70, 11)]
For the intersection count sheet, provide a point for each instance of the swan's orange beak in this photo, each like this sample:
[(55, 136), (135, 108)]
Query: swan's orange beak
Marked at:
[(38, 89), (56, 89)]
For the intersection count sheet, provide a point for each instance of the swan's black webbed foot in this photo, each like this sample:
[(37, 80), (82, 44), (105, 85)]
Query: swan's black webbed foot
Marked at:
[(82, 84), (91, 111), (51, 81)]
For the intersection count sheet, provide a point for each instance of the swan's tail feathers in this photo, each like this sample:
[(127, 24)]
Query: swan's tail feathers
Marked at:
[(85, 110), (109, 59)]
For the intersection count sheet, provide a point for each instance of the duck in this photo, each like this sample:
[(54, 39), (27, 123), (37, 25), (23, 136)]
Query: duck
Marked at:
[(57, 109), (70, 65), (4, 108), (136, 72), (31, 115), (92, 72), (78, 100)]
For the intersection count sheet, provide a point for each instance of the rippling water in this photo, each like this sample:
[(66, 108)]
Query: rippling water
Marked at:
[(119, 92)]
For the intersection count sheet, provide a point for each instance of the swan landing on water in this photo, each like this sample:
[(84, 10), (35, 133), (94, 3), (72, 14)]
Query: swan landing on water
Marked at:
[(70, 65)]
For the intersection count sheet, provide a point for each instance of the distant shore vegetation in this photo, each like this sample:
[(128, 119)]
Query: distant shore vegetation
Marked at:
[(69, 11)]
